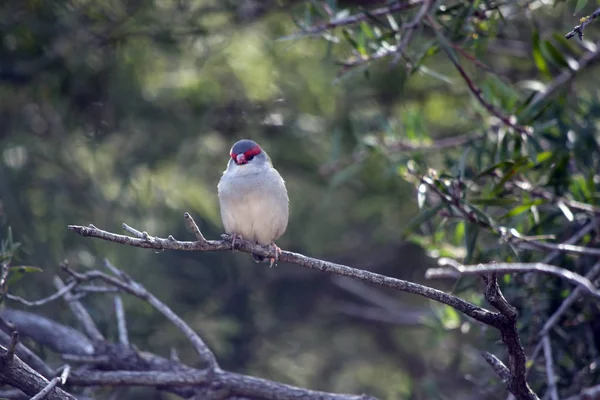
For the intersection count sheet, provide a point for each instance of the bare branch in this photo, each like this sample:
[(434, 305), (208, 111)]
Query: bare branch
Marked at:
[(194, 227), (61, 338), (458, 269), (139, 291), (498, 366), (28, 357), (517, 384), (121, 323), (578, 30), (62, 379), (469, 309), (355, 19), (592, 274), (4, 270), (12, 345), (509, 121), (231, 384), (80, 312), (57, 295), (19, 375), (550, 368)]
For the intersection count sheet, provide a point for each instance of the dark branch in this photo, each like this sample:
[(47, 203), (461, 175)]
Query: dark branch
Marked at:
[(578, 30), (458, 269), (469, 309)]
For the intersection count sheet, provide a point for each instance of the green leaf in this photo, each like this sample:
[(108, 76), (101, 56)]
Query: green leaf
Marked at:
[(579, 6), (345, 174), (494, 201), (421, 218), (538, 58), (554, 55), (18, 272), (471, 233), (523, 208)]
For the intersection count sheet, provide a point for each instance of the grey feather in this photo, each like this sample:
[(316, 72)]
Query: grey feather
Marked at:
[(254, 201)]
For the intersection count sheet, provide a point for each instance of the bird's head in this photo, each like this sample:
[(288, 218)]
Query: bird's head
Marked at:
[(248, 153)]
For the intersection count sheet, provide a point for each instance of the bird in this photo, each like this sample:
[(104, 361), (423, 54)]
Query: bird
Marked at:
[(253, 198)]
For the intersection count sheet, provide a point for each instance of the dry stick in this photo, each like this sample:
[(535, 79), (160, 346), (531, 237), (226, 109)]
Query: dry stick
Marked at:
[(550, 368), (20, 375), (579, 28), (458, 269), (508, 121), (566, 304), (139, 291), (29, 357), (478, 313), (12, 346), (587, 60), (354, 19), (57, 295), (80, 312), (121, 323), (62, 379), (517, 382)]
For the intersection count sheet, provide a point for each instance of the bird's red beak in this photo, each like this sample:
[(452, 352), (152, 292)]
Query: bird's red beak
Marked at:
[(240, 159)]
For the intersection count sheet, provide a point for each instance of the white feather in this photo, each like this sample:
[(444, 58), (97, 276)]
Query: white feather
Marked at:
[(254, 201)]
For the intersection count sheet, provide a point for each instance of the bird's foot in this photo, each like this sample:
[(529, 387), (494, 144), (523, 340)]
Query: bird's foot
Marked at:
[(234, 237), (277, 254)]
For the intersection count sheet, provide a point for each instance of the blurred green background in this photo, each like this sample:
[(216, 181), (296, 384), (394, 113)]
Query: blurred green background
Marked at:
[(124, 111)]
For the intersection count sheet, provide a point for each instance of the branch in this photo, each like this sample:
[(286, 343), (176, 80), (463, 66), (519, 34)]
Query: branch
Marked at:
[(578, 30), (121, 322), (28, 356), (80, 312), (517, 382), (124, 366), (62, 379), (63, 338), (19, 375), (550, 368), (480, 314), (134, 288), (57, 295), (355, 19), (458, 269), (509, 121)]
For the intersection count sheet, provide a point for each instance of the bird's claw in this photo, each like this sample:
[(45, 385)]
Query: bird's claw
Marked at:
[(276, 258), (234, 237)]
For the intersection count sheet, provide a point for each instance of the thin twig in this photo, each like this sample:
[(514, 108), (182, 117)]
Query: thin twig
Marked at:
[(506, 120), (550, 368), (121, 323), (498, 366), (194, 227), (592, 274), (12, 346), (458, 269), (91, 359), (578, 30), (80, 312), (139, 291), (410, 28), (517, 384), (4, 270), (57, 295), (62, 379), (357, 18), (478, 313)]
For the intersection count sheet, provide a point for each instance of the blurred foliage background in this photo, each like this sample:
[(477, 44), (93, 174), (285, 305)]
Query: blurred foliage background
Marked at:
[(124, 111)]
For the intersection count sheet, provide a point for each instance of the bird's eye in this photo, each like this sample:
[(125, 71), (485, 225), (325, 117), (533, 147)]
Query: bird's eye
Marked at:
[(248, 158)]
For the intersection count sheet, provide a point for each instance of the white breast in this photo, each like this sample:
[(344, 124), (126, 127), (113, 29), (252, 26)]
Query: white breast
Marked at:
[(254, 203)]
